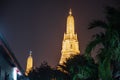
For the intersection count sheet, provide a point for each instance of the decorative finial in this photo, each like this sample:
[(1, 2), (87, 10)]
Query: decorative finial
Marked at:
[(70, 12), (30, 52)]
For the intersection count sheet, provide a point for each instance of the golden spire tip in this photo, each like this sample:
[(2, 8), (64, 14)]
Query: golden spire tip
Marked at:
[(70, 12), (30, 52)]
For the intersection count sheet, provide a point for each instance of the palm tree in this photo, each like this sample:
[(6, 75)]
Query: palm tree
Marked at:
[(110, 41), (80, 67)]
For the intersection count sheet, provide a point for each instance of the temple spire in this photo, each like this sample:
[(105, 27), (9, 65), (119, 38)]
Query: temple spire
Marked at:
[(70, 12), (30, 53), (70, 23), (70, 44), (29, 63)]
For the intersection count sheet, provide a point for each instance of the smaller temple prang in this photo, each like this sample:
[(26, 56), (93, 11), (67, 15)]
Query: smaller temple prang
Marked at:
[(29, 65)]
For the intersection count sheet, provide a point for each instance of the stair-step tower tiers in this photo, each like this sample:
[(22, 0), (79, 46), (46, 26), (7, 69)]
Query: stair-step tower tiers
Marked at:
[(70, 44)]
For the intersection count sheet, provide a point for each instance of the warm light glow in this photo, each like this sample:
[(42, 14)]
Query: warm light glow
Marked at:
[(70, 45), (29, 63)]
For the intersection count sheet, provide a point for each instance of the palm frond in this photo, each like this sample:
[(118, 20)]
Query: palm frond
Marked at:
[(97, 23), (93, 44)]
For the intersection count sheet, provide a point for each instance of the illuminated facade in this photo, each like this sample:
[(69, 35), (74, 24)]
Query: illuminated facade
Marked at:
[(29, 63), (70, 45)]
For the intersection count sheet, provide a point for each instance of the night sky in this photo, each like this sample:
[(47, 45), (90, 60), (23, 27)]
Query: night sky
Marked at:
[(39, 26)]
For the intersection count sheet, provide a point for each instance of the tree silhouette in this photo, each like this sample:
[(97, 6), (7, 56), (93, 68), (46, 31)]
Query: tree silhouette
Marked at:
[(80, 67), (44, 72), (110, 41)]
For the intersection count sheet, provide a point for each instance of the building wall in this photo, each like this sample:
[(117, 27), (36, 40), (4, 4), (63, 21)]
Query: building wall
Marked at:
[(6, 70)]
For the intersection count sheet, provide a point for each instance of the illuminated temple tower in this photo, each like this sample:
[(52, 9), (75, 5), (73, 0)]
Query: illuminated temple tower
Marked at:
[(29, 63), (70, 45)]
